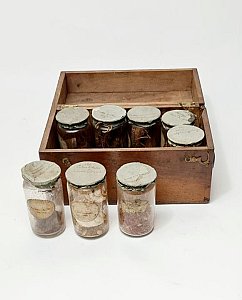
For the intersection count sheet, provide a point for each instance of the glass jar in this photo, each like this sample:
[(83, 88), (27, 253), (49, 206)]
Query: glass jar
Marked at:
[(185, 136), (177, 117), (136, 191), (87, 192), (73, 128), (144, 127), (44, 195), (109, 123), (174, 118)]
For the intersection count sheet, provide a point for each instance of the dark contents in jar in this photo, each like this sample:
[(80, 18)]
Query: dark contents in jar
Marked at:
[(144, 135), (110, 135), (75, 138)]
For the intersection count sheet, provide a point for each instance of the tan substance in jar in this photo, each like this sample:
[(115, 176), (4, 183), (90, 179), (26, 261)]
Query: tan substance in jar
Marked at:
[(89, 210)]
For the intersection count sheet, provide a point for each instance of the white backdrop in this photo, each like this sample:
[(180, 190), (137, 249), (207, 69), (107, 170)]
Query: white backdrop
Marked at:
[(195, 251)]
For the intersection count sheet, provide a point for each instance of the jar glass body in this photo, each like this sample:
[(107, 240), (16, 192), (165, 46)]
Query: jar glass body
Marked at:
[(46, 208), (89, 209), (172, 144), (75, 137), (145, 135), (136, 209), (110, 135), (178, 120)]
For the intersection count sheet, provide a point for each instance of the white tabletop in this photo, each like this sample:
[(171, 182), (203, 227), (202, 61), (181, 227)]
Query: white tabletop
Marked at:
[(195, 251)]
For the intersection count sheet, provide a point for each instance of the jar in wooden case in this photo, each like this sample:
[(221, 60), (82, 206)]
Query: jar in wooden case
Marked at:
[(73, 128), (109, 125), (144, 127), (177, 117), (185, 136)]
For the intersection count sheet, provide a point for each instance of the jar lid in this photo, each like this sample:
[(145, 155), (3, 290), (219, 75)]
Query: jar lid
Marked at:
[(41, 173), (178, 117), (143, 114), (136, 174), (72, 115), (108, 113), (185, 134), (85, 173)]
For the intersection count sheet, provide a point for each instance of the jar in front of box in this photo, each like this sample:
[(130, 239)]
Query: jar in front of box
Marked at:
[(44, 195), (144, 127), (109, 125), (185, 136), (87, 192), (73, 128), (136, 189)]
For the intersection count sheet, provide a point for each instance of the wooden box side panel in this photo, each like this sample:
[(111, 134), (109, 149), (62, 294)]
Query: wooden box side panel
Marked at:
[(59, 98), (129, 81), (128, 99), (196, 88), (207, 129), (183, 176)]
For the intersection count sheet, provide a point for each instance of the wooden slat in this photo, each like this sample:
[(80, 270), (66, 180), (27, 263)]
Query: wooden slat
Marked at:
[(196, 88), (59, 97), (129, 81), (207, 129), (128, 99)]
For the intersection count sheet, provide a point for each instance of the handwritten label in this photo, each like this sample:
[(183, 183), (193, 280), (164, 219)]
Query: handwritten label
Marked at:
[(41, 209), (84, 211), (135, 206)]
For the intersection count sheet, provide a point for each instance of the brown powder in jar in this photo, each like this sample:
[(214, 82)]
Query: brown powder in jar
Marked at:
[(136, 211)]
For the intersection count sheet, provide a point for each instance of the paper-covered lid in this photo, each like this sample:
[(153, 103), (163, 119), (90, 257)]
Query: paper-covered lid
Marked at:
[(41, 173), (185, 135), (108, 113), (85, 173), (72, 115), (178, 117), (143, 114), (136, 174)]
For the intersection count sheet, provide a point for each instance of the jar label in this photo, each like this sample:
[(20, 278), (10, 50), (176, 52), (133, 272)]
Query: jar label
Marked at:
[(84, 211), (135, 206), (41, 209)]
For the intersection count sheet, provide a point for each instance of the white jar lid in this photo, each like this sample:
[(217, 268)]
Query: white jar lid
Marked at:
[(85, 173), (178, 117), (108, 113), (72, 115), (185, 135), (143, 114), (41, 173), (136, 174)]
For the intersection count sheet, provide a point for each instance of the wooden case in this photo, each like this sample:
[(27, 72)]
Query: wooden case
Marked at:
[(184, 173)]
